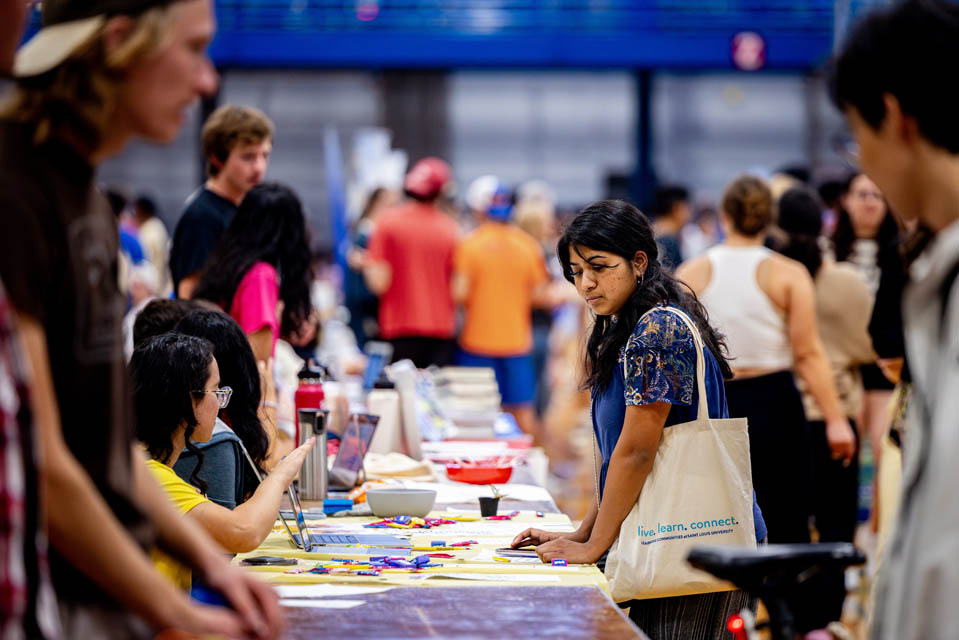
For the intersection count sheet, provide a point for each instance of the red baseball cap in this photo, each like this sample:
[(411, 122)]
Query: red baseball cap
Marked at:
[(427, 178)]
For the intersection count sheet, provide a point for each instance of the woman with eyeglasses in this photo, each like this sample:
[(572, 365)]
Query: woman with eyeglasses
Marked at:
[(843, 307), (239, 429), (178, 395), (866, 237)]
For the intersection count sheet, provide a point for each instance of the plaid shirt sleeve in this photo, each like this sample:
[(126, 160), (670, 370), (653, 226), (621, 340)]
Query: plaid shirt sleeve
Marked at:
[(27, 605)]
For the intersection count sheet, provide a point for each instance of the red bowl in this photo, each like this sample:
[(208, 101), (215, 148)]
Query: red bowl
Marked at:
[(479, 474)]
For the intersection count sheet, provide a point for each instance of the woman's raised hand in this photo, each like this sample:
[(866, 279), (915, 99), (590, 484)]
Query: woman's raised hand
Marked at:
[(289, 466)]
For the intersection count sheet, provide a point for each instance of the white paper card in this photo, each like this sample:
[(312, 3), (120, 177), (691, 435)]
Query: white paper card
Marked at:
[(323, 590), (487, 555), (321, 604), (497, 577)]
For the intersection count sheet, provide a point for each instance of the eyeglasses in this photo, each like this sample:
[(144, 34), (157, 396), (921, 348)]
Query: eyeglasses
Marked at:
[(222, 395), (862, 194)]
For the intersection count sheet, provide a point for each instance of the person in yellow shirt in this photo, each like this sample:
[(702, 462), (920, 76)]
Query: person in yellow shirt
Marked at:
[(178, 396), (185, 496), (499, 275)]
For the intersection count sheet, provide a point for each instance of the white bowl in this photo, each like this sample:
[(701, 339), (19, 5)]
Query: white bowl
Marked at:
[(386, 503)]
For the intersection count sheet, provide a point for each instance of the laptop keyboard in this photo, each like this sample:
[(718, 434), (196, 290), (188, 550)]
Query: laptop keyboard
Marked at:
[(332, 539)]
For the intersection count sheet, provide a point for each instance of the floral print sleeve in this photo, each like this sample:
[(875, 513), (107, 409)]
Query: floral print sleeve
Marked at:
[(659, 361)]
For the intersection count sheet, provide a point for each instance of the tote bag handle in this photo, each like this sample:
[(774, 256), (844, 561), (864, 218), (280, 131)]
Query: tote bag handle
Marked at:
[(703, 409)]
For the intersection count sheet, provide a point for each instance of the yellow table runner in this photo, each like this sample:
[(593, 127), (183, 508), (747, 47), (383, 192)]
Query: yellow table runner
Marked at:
[(477, 560)]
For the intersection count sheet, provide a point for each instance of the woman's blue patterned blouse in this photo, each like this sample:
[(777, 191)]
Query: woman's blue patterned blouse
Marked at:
[(658, 364)]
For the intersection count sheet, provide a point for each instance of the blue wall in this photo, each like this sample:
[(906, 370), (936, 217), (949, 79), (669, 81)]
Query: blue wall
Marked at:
[(655, 34), (519, 33)]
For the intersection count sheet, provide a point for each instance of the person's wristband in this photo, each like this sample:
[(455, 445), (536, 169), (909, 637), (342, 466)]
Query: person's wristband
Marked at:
[(269, 405)]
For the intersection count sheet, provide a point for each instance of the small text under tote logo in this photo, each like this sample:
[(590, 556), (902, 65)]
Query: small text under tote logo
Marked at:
[(696, 529)]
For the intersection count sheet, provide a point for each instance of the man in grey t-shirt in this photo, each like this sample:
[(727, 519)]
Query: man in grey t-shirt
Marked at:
[(895, 84)]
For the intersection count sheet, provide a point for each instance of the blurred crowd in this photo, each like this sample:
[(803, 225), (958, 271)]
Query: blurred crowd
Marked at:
[(155, 368), (476, 282)]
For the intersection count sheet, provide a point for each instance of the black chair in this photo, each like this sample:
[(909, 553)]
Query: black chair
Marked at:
[(224, 468), (773, 572)]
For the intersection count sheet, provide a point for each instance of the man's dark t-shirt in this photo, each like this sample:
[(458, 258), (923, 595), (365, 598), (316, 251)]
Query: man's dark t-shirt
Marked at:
[(58, 261), (204, 220), (670, 255)]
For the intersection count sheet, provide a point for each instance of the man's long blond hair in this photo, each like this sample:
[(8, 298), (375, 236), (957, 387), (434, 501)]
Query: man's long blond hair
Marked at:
[(79, 97)]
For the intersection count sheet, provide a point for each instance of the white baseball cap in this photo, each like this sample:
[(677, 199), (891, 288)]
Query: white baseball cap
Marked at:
[(67, 24)]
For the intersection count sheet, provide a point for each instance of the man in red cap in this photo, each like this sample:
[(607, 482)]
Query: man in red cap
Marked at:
[(410, 267)]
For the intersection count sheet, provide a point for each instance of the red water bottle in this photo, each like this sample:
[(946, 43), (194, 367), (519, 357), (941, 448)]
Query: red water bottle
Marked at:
[(309, 395)]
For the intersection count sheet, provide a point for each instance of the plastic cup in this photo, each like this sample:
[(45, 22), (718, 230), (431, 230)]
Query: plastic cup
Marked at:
[(488, 506)]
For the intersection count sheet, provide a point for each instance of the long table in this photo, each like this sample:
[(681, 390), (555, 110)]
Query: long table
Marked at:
[(462, 613), (470, 596)]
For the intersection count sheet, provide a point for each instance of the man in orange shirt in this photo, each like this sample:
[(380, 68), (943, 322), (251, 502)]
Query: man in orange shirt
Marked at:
[(409, 266), (498, 276)]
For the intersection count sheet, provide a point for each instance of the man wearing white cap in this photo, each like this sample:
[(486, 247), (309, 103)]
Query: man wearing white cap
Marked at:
[(479, 195), (99, 73)]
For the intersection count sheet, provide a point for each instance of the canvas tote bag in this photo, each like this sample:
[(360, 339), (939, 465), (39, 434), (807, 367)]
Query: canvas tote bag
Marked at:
[(699, 492)]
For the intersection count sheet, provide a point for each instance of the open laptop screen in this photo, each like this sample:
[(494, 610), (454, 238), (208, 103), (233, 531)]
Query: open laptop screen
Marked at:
[(354, 443), (305, 541)]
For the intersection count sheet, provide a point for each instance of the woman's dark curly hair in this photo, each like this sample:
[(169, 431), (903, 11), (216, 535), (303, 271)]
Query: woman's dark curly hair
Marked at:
[(268, 227), (237, 371), (843, 236), (168, 370), (619, 227)]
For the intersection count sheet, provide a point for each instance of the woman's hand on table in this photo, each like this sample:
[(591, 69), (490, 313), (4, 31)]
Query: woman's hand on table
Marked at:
[(536, 537), (569, 550)]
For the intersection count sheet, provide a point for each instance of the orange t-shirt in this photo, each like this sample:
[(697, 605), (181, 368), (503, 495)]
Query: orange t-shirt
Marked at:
[(503, 266), (417, 241)]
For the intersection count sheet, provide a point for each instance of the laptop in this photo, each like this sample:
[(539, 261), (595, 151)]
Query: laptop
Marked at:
[(354, 443), (318, 543)]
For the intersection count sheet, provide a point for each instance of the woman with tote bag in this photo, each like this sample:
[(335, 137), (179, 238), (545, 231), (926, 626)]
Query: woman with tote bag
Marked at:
[(673, 473)]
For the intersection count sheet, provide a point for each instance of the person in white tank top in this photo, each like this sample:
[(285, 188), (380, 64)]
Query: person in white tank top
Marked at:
[(765, 304), (755, 327)]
